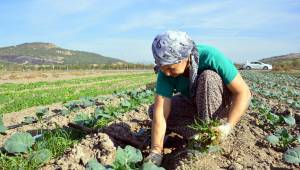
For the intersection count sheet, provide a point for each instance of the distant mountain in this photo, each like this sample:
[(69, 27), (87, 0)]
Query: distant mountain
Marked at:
[(284, 62), (39, 53)]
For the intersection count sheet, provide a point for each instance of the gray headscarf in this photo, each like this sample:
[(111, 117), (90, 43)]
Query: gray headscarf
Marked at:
[(173, 46)]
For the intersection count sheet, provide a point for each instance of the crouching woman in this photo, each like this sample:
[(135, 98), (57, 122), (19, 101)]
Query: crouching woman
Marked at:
[(206, 83)]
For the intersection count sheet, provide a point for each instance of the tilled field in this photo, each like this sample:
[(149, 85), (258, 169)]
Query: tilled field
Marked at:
[(246, 148)]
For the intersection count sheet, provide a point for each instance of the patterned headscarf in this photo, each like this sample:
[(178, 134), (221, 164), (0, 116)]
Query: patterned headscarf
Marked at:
[(173, 46)]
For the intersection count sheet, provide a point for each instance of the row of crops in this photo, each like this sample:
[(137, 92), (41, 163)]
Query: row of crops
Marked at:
[(282, 87), (15, 97), (24, 151), (281, 130)]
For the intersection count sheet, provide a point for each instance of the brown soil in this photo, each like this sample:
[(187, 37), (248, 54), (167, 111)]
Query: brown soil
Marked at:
[(245, 148)]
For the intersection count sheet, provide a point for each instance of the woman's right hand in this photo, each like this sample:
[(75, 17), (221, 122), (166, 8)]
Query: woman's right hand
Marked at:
[(154, 158)]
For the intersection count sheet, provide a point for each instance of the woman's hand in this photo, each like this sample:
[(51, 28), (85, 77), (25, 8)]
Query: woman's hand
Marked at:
[(154, 158), (223, 130)]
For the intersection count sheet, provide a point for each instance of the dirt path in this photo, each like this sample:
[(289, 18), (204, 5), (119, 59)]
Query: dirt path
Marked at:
[(36, 76)]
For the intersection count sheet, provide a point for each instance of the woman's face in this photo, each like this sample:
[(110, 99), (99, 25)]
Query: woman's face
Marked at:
[(174, 70)]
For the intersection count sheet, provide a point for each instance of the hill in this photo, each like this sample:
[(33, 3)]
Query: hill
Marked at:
[(284, 62), (39, 53)]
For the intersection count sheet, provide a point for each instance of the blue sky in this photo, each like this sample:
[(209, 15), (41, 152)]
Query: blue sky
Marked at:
[(243, 30)]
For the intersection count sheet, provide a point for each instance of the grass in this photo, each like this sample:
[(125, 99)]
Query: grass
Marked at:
[(15, 97), (57, 141)]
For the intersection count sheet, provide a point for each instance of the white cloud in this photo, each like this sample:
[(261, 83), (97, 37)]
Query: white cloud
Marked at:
[(236, 15), (66, 18)]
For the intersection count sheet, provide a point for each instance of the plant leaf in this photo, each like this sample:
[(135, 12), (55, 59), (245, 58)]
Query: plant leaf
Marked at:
[(82, 119), (19, 142), (290, 120), (99, 113), (41, 156), (272, 139), (86, 102), (41, 111), (273, 118), (64, 112), (151, 166), (29, 119), (93, 164), (125, 103), (72, 105), (124, 157), (289, 101), (292, 155)]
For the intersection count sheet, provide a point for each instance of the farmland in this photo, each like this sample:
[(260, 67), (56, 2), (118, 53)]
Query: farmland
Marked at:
[(14, 97), (102, 121)]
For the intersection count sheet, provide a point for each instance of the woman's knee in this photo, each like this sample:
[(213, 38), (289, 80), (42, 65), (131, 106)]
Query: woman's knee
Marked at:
[(211, 94), (209, 76)]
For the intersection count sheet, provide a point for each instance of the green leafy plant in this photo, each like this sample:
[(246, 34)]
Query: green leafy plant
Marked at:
[(64, 112), (93, 164), (125, 103), (102, 122), (206, 136), (128, 158), (254, 103), (292, 155), (86, 102), (270, 121), (100, 113), (82, 119), (281, 138), (41, 111), (40, 157), (29, 119), (267, 119), (72, 105), (19, 142), (289, 119)]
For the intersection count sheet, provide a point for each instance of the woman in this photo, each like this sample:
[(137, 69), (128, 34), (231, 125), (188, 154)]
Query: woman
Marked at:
[(208, 84)]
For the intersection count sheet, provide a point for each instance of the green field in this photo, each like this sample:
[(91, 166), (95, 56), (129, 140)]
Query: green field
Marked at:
[(277, 129), (15, 97)]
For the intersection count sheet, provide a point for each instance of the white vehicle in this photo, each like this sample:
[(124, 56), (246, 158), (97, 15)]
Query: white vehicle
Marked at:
[(257, 65)]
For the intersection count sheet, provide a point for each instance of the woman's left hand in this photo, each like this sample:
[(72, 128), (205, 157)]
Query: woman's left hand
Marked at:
[(224, 130)]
